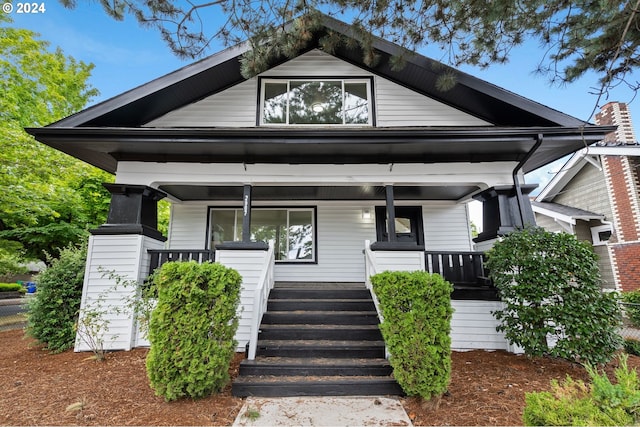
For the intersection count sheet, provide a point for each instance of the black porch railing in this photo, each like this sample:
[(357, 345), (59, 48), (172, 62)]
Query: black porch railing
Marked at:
[(466, 271), (160, 256)]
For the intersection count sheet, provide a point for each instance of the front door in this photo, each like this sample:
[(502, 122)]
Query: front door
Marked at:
[(409, 227)]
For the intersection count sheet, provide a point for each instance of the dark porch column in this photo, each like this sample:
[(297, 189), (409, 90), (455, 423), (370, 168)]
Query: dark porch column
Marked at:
[(245, 243), (501, 210), (391, 214), (392, 243), (133, 210), (246, 214)]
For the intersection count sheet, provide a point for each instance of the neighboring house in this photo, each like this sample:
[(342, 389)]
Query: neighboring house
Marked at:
[(350, 169), (595, 196)]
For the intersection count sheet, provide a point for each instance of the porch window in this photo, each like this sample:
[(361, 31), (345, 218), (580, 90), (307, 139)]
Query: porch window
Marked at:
[(315, 102), (292, 230)]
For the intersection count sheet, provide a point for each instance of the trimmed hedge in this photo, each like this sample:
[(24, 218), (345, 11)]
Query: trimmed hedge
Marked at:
[(12, 287), (417, 321), (192, 329)]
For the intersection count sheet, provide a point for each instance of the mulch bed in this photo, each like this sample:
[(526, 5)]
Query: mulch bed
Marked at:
[(38, 388)]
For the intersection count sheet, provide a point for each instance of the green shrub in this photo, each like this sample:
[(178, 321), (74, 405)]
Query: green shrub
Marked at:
[(632, 346), (192, 329), (550, 285), (54, 309), (601, 403), (11, 287), (417, 320), (632, 306)]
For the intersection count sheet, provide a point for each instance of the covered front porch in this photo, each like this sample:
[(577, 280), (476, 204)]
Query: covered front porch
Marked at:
[(324, 234)]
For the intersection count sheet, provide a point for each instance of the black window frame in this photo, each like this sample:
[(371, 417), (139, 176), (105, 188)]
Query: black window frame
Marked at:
[(314, 215)]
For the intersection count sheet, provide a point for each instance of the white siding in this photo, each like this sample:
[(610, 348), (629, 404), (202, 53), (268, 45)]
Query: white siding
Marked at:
[(399, 106), (126, 255), (446, 227), (474, 327), (141, 339), (341, 233), (234, 107), (395, 104), (188, 226), (399, 261)]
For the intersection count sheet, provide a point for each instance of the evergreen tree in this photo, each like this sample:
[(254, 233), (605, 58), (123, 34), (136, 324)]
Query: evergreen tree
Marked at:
[(600, 36)]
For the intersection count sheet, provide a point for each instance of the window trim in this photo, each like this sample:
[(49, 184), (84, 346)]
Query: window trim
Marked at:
[(595, 234), (288, 208), (344, 79)]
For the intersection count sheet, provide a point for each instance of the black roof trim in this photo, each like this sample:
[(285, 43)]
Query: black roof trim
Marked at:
[(177, 85)]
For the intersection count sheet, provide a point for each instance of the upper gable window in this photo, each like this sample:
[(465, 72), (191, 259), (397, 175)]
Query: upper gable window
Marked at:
[(316, 102)]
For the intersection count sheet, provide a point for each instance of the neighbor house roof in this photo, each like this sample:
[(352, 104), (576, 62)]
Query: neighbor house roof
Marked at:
[(111, 131), (577, 161), (564, 213)]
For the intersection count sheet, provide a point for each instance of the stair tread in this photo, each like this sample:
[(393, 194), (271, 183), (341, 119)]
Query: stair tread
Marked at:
[(324, 300), (320, 343), (319, 361), (317, 326), (284, 379), (319, 285), (325, 312)]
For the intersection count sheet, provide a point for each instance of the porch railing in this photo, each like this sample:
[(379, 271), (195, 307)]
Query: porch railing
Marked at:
[(371, 270), (465, 270), (260, 299), (161, 256)]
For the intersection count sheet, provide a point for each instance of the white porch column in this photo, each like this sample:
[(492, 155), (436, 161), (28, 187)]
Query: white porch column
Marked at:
[(250, 262), (119, 248)]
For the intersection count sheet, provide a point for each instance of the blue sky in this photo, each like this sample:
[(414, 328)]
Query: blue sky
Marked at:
[(127, 55)]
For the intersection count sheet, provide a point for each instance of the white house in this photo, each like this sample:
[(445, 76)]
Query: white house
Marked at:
[(348, 169)]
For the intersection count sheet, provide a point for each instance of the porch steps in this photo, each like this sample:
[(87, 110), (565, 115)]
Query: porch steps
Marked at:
[(318, 339)]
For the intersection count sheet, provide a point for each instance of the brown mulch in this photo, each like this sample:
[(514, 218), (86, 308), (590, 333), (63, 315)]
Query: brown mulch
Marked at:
[(38, 388)]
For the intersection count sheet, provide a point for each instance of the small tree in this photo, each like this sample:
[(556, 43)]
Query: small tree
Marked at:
[(550, 285), (54, 310)]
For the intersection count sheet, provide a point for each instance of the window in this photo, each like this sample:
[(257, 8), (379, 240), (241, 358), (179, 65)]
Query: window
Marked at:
[(315, 102), (291, 230), (601, 234)]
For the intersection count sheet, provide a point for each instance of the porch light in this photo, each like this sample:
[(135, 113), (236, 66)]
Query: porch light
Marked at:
[(366, 213)]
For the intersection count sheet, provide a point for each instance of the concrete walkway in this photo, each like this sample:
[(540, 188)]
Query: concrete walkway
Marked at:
[(322, 411)]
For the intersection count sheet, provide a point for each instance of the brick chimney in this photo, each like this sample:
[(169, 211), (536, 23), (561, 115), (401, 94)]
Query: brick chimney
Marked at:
[(621, 175)]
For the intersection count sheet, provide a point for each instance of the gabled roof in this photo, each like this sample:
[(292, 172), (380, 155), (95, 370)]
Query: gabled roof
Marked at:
[(222, 70), (111, 131), (577, 161)]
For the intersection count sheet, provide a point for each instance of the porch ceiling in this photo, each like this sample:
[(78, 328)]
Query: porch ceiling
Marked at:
[(313, 193)]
